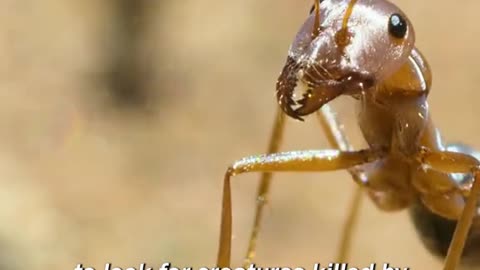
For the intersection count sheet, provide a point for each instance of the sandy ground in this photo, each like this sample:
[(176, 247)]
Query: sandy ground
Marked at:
[(83, 182)]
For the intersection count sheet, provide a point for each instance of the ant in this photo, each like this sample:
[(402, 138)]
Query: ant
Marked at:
[(365, 49)]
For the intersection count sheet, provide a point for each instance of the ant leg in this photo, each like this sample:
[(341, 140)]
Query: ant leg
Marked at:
[(454, 162), (295, 161), (337, 138), (440, 192), (264, 186), (333, 130), (349, 225)]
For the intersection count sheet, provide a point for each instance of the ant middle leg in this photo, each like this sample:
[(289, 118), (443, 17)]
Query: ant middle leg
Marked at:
[(455, 162), (295, 161)]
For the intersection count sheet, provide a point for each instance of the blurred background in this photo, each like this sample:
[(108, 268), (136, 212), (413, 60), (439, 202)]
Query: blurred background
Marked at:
[(118, 119)]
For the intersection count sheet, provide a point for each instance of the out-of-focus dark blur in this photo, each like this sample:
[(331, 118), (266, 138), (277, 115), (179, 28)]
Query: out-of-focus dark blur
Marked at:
[(119, 118)]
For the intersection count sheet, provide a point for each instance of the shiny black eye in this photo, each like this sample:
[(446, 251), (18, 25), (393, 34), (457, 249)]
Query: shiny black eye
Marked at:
[(313, 7), (397, 26)]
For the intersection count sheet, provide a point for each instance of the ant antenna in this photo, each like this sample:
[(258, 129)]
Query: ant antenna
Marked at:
[(316, 24), (342, 37)]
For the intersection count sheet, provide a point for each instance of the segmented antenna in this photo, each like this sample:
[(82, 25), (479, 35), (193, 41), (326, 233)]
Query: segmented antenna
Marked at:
[(316, 24), (342, 37)]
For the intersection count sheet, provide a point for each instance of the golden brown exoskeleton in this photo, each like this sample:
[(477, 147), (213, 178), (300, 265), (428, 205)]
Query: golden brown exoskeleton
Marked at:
[(365, 49)]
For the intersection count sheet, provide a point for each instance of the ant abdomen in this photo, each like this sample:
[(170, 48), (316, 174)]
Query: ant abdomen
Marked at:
[(436, 232)]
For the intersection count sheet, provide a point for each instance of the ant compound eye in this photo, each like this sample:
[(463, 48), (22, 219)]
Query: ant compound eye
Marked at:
[(313, 7), (397, 26)]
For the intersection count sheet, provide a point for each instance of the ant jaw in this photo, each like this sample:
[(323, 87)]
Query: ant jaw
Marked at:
[(315, 91), (286, 84)]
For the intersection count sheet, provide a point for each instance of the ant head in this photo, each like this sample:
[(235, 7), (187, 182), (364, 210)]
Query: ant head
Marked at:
[(344, 47)]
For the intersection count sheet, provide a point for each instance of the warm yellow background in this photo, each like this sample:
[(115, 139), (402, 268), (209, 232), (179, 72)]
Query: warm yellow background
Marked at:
[(81, 181)]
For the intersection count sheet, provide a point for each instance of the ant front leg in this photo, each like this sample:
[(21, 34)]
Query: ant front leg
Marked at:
[(454, 162), (295, 161), (338, 140)]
